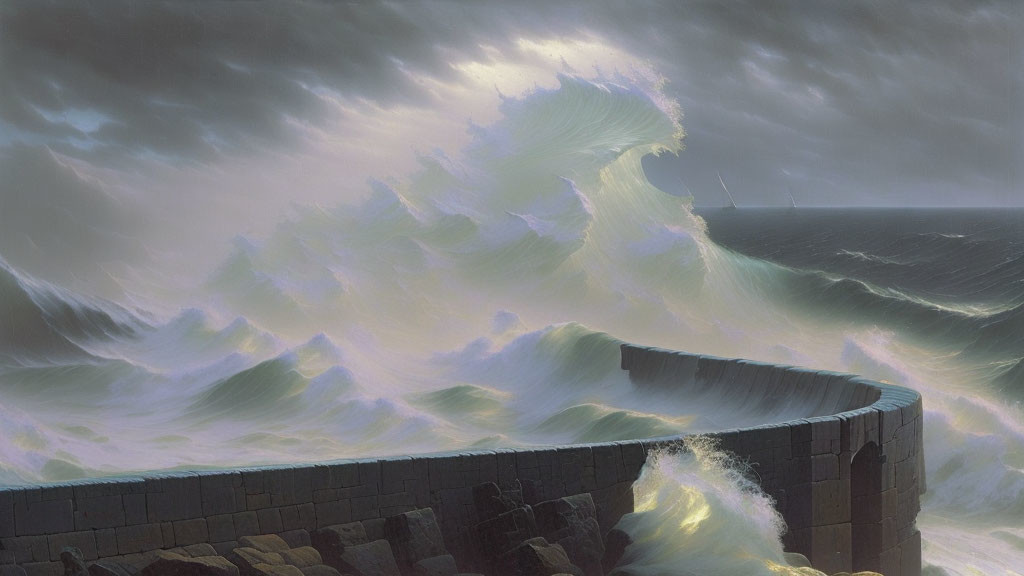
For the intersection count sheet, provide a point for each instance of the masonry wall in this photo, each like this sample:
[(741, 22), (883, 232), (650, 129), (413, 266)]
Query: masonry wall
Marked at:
[(804, 464)]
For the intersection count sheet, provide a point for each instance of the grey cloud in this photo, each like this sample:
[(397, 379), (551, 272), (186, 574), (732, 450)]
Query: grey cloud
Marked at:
[(845, 102), (62, 227)]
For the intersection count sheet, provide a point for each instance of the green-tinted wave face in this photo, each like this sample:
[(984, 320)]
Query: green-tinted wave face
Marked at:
[(478, 301)]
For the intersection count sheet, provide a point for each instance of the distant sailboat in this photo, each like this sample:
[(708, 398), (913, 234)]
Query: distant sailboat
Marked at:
[(732, 203)]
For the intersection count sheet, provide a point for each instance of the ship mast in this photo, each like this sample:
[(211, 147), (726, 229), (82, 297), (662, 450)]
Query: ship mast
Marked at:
[(732, 203)]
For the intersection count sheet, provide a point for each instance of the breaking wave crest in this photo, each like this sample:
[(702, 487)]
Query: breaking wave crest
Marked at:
[(479, 301)]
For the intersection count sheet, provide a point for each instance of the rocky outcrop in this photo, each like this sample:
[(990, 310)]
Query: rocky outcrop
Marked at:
[(614, 548), (74, 563), (537, 557), (372, 559), (414, 536), (166, 563), (571, 522)]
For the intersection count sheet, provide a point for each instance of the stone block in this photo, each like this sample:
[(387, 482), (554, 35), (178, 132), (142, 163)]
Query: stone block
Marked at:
[(7, 529), (906, 443), (889, 561), (85, 541), (246, 524), (134, 509), (178, 498), (331, 541), (889, 420), (270, 520), (252, 481), (269, 543), (167, 532), (166, 564), (372, 559), (225, 548), (140, 538), (43, 568), (188, 532), (369, 473), (824, 467), (831, 548), (336, 512), (257, 501), (221, 528), (296, 538), (363, 508), (301, 557), (106, 543), (414, 536), (906, 474), (99, 512), (200, 550), (28, 548), (830, 502), (49, 517)]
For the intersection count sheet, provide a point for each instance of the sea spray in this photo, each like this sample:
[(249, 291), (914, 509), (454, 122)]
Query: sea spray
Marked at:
[(699, 511)]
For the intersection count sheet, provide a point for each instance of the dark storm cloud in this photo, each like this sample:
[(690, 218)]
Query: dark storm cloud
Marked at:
[(845, 102), (187, 79)]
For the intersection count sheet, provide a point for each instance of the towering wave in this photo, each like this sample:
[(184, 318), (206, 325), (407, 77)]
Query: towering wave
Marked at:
[(477, 303)]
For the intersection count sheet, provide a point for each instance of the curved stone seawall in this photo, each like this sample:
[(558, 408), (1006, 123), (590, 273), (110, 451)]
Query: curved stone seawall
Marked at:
[(846, 476)]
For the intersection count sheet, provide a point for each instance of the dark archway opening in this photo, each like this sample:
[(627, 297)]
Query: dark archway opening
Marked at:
[(866, 507)]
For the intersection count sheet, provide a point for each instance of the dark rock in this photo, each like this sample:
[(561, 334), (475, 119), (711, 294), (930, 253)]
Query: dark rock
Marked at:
[(504, 532), (537, 557), (108, 568), (374, 528), (12, 570), (487, 501), (531, 491), (331, 541), (200, 550), (296, 538), (302, 557), (572, 522), (224, 548), (264, 543), (372, 559), (180, 551), (319, 570), (491, 501), (436, 566), (614, 547), (414, 536), (247, 558), (167, 564), (512, 494), (74, 562)]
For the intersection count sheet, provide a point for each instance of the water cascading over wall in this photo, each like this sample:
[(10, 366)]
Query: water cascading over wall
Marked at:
[(846, 477)]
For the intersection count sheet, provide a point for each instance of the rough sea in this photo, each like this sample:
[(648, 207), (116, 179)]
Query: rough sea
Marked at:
[(478, 302)]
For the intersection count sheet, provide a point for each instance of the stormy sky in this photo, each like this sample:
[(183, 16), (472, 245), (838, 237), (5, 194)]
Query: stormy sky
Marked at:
[(130, 117)]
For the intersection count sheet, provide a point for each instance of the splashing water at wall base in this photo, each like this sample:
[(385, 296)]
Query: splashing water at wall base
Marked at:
[(701, 512)]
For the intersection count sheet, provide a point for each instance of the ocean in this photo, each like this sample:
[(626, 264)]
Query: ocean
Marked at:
[(479, 301)]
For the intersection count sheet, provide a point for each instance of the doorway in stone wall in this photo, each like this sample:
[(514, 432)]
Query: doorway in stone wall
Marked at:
[(866, 507)]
